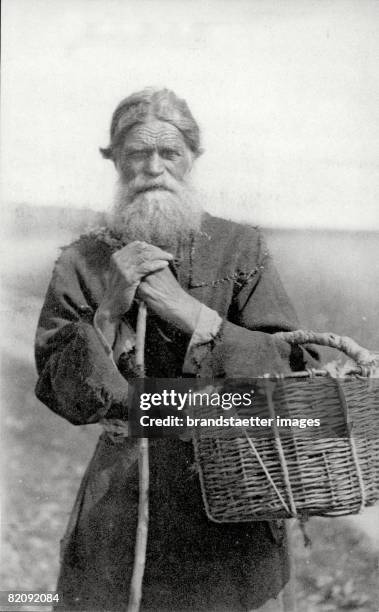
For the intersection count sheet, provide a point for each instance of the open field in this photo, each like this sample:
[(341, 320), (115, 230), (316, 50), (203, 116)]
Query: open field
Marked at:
[(332, 278)]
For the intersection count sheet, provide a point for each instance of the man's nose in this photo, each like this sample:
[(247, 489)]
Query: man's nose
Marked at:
[(154, 165)]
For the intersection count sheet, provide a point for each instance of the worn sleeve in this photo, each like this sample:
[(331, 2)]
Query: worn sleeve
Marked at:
[(245, 344), (77, 378)]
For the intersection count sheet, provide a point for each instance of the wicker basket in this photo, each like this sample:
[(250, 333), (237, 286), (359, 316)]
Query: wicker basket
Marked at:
[(299, 475)]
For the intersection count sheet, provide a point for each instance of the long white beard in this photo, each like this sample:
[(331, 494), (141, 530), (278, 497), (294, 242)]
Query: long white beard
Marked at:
[(164, 218)]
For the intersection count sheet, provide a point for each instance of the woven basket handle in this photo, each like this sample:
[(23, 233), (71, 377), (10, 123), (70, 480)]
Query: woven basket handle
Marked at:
[(352, 349)]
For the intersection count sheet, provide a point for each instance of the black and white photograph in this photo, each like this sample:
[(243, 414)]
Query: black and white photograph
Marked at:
[(189, 306)]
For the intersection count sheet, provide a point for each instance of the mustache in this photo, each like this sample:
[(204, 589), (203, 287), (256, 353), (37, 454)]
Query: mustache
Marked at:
[(154, 187), (138, 186)]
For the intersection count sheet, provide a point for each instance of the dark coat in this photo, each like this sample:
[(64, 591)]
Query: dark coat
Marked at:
[(192, 563)]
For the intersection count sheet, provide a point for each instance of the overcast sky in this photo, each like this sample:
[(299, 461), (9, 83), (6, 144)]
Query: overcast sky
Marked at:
[(286, 94)]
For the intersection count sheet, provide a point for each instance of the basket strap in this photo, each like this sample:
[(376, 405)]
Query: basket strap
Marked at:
[(267, 473), (278, 444), (353, 447), (291, 509)]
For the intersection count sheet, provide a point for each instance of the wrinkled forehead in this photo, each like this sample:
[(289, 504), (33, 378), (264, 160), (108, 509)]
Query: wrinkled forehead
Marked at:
[(153, 134)]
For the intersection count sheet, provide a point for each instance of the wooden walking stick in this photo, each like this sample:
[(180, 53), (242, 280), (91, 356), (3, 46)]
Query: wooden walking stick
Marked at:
[(143, 468)]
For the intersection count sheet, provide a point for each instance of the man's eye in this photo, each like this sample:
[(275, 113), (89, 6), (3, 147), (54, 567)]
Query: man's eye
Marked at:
[(134, 154), (128, 156), (169, 154)]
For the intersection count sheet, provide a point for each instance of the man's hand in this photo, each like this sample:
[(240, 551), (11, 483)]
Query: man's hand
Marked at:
[(127, 267), (163, 294)]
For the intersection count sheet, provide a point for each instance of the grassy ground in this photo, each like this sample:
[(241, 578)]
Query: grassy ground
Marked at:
[(332, 280)]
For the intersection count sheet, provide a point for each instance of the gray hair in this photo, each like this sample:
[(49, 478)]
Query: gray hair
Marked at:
[(161, 104)]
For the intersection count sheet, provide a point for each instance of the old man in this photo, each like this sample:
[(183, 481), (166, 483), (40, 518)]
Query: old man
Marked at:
[(214, 299)]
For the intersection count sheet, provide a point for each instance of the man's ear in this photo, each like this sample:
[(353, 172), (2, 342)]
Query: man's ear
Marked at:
[(107, 153)]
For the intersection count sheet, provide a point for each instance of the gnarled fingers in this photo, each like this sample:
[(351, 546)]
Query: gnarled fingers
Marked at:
[(152, 266)]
